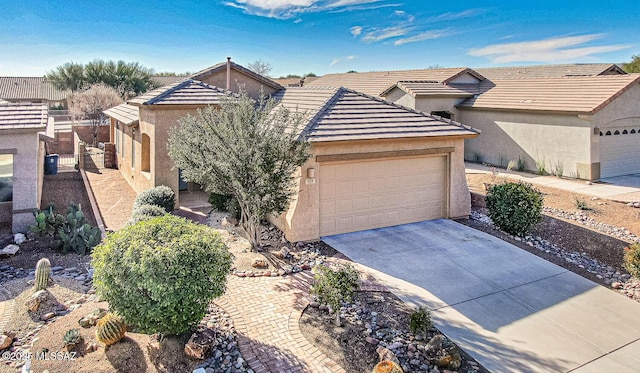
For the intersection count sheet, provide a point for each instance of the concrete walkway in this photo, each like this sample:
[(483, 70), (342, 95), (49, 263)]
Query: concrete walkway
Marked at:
[(511, 310), (620, 188)]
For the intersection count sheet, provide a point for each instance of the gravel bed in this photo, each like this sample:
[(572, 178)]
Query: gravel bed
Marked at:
[(582, 218)]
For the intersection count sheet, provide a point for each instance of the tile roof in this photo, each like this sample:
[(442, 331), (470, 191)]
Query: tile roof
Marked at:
[(29, 88), (340, 114), (433, 88), (23, 116), (578, 94), (375, 82), (168, 79), (223, 65), (187, 92), (124, 113), (542, 71)]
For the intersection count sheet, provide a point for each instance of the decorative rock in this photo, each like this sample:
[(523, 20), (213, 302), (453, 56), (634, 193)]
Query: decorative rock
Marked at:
[(200, 370), (5, 341), (228, 222), (47, 316), (395, 345), (10, 250), (385, 354), (259, 263), (19, 238), (372, 340), (200, 343), (435, 343), (34, 301)]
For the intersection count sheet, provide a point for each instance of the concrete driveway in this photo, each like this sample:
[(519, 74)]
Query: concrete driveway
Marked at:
[(509, 309)]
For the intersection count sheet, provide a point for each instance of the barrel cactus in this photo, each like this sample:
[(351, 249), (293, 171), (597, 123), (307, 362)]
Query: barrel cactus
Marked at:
[(387, 366), (110, 329), (43, 273)]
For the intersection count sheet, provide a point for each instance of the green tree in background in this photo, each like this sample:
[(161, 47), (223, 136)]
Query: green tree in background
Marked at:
[(633, 66)]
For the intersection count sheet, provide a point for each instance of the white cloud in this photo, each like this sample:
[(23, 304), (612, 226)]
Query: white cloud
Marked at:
[(356, 30), (384, 34), (337, 60), (285, 9), (449, 16), (561, 48), (298, 20), (426, 35)]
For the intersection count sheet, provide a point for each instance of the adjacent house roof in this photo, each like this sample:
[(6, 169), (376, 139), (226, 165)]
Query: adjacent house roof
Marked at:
[(547, 71), (29, 88), (222, 67), (124, 113), (168, 79), (579, 94), (23, 116), (375, 82), (432, 88), (187, 92), (340, 114)]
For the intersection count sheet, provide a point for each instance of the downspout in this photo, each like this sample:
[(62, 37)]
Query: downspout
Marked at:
[(228, 73)]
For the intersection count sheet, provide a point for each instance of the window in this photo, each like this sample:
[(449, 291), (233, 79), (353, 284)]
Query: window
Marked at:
[(133, 148), (6, 178), (146, 153)]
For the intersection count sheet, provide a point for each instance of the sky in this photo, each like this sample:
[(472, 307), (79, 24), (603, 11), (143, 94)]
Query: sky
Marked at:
[(319, 36)]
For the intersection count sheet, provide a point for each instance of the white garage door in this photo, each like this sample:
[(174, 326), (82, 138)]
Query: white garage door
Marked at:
[(619, 152), (362, 195)]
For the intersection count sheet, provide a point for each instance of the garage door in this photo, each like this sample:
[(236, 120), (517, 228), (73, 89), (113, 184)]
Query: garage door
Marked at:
[(363, 195), (619, 152)]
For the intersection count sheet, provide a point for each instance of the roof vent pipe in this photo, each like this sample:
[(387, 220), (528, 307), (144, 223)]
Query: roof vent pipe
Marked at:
[(228, 73)]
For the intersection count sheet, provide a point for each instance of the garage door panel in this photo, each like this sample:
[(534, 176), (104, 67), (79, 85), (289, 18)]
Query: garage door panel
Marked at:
[(379, 193), (619, 154)]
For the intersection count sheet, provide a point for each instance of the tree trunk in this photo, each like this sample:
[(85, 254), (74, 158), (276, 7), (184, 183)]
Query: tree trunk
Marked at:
[(251, 229), (338, 321)]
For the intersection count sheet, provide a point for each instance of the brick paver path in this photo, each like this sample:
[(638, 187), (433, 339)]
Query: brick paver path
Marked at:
[(114, 197), (266, 312)]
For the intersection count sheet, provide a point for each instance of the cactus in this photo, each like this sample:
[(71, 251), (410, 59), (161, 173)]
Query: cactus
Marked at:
[(387, 366), (43, 273), (110, 329), (47, 222), (76, 234), (72, 337)]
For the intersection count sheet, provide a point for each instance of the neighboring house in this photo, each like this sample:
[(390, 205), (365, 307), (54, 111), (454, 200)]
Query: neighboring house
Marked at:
[(374, 164), (140, 127), (32, 89), (578, 119), (23, 130)]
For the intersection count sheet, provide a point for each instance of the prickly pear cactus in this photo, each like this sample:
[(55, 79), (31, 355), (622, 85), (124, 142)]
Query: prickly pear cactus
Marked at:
[(110, 329), (43, 273)]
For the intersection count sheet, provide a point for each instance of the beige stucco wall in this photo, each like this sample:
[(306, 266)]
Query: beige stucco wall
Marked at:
[(535, 137), (251, 86), (28, 161), (301, 222), (425, 104)]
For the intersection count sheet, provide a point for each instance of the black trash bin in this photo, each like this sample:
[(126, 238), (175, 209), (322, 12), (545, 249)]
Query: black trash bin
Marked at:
[(51, 164)]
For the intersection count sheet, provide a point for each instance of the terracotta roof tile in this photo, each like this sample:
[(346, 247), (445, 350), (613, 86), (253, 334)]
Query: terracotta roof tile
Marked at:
[(375, 82), (124, 113), (547, 71), (187, 92), (23, 116), (340, 114), (29, 88), (433, 88), (586, 94), (223, 65)]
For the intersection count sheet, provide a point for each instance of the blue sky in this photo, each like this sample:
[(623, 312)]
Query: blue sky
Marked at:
[(320, 36)]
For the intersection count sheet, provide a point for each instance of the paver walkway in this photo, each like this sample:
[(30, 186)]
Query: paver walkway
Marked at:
[(113, 195), (621, 188)]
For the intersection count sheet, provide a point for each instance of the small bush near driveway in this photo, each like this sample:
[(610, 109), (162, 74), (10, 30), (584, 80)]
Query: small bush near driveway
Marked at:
[(514, 207)]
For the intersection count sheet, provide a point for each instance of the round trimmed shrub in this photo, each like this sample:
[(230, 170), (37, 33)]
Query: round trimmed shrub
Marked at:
[(161, 274), (632, 259), (162, 196), (514, 207), (146, 212)]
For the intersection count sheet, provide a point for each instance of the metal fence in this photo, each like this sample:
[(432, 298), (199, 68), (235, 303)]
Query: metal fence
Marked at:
[(67, 162)]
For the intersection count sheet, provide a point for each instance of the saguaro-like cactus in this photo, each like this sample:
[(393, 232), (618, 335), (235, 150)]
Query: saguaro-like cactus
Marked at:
[(43, 272)]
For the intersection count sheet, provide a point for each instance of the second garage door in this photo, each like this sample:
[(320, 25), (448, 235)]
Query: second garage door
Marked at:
[(362, 195), (620, 152)]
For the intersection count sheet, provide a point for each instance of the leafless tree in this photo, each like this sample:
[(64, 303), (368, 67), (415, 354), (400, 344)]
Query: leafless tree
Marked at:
[(90, 104), (261, 67)]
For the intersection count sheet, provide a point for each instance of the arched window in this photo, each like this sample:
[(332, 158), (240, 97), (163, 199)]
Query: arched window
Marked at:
[(601, 134), (608, 133), (625, 132), (617, 132), (146, 153), (633, 131)]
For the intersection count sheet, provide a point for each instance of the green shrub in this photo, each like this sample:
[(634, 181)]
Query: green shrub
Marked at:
[(582, 204), (420, 320), (218, 201), (161, 274), (162, 196), (146, 212), (334, 286), (632, 259), (514, 207)]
